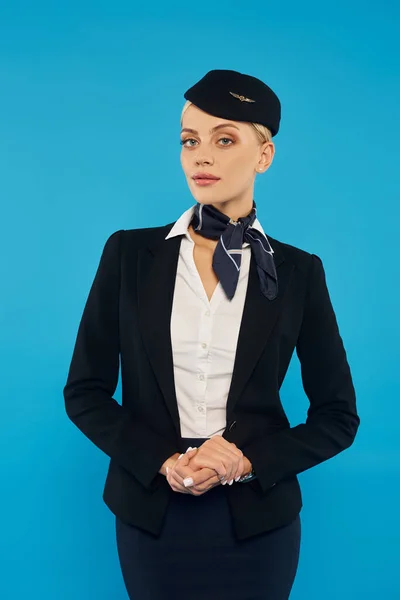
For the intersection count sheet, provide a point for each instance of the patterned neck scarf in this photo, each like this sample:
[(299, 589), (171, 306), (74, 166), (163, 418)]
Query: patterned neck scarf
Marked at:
[(211, 223)]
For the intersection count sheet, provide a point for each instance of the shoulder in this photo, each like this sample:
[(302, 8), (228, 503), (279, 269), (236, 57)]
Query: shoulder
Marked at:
[(142, 236), (301, 258), (138, 237)]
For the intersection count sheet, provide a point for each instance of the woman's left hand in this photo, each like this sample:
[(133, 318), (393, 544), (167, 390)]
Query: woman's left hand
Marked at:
[(203, 478), (224, 457), (209, 477)]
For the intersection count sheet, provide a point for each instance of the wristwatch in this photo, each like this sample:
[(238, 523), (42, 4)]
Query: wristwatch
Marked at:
[(248, 477)]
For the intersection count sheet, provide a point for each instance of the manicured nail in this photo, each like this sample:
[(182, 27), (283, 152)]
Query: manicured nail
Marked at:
[(188, 481), (180, 456), (237, 478), (224, 482), (231, 481)]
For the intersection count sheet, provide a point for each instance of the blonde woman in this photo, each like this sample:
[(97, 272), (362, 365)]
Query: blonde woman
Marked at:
[(204, 314)]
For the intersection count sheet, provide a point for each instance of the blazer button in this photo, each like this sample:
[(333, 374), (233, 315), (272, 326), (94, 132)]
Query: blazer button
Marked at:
[(232, 425)]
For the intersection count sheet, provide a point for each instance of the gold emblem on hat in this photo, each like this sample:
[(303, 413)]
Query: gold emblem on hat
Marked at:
[(242, 98)]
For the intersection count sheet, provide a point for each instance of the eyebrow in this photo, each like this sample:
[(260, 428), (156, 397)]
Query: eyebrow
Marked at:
[(212, 129)]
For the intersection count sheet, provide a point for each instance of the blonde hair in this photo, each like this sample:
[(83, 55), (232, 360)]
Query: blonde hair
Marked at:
[(263, 133)]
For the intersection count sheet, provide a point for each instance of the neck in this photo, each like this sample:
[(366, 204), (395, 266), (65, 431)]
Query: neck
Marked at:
[(202, 241), (234, 209)]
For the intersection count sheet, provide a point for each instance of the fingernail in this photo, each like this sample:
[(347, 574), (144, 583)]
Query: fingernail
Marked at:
[(188, 481), (231, 481), (180, 456), (190, 448), (224, 482), (167, 470), (237, 478)]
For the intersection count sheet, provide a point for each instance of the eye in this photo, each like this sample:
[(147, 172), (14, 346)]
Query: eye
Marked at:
[(225, 138), (183, 142)]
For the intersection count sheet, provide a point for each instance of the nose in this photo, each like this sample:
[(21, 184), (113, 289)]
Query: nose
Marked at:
[(203, 160)]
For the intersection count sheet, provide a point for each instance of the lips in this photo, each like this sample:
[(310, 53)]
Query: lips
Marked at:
[(207, 176)]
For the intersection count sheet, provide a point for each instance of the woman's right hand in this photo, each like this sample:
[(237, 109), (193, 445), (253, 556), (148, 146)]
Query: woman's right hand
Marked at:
[(223, 456), (207, 479)]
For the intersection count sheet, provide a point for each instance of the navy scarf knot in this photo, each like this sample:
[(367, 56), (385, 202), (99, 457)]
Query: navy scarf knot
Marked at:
[(211, 223)]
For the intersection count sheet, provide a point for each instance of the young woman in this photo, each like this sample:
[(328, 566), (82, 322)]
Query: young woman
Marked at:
[(204, 314)]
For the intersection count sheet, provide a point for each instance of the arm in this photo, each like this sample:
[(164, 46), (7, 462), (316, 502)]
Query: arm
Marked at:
[(93, 378), (332, 419)]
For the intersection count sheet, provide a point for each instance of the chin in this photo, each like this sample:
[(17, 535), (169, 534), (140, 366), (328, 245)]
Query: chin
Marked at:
[(202, 198)]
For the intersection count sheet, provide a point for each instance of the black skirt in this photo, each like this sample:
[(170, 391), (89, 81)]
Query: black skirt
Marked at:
[(197, 555)]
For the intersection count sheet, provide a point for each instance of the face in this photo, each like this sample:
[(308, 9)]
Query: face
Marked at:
[(229, 150)]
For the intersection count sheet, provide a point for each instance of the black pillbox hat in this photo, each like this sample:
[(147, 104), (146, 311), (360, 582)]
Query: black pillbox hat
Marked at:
[(236, 96)]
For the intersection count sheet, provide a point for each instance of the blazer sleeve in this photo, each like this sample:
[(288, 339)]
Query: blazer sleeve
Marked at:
[(332, 420), (93, 378)]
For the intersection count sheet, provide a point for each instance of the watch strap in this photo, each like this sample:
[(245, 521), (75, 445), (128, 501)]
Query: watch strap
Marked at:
[(248, 477)]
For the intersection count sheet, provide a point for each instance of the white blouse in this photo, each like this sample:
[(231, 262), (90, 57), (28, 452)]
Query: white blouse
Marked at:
[(204, 337)]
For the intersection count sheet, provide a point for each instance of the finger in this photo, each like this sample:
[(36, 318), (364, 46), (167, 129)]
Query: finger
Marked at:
[(191, 448), (193, 466), (240, 469), (175, 484), (231, 452), (196, 467), (173, 481), (223, 444), (208, 460), (181, 469), (205, 477), (204, 480), (238, 464), (200, 478), (236, 474), (185, 458), (215, 457)]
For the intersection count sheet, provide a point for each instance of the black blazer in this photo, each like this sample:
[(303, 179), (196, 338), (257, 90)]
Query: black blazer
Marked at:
[(126, 321)]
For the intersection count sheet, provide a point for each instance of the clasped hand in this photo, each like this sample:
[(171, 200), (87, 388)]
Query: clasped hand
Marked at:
[(215, 461)]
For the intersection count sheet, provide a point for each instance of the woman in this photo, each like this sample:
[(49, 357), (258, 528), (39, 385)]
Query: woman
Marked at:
[(205, 314)]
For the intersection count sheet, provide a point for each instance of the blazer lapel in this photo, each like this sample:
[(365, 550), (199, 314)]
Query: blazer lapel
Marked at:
[(157, 266), (156, 271)]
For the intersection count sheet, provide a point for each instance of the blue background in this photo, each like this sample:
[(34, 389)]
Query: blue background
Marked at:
[(90, 100)]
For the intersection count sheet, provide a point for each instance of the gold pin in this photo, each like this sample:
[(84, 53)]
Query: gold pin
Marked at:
[(242, 98)]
